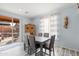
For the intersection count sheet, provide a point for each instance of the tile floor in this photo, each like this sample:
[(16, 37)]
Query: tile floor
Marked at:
[(60, 52)]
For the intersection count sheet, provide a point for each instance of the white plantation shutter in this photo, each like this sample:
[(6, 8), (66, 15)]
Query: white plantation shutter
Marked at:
[(49, 25), (53, 25), (45, 25)]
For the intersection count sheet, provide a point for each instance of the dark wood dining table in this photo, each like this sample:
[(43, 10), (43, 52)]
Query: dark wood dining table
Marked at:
[(41, 41)]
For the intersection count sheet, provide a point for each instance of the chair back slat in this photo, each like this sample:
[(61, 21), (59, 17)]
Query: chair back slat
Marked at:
[(31, 41), (46, 34), (40, 34), (52, 41)]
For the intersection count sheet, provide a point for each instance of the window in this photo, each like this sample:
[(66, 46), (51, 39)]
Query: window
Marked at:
[(44, 24), (53, 25), (49, 25), (9, 32)]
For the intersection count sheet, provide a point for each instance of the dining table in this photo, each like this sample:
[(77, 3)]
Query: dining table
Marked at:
[(41, 41)]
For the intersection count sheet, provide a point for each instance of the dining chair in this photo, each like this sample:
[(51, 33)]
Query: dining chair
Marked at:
[(50, 45), (39, 34), (32, 45), (46, 34)]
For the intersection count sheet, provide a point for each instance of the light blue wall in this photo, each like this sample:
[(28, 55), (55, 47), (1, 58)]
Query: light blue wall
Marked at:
[(69, 38), (36, 21)]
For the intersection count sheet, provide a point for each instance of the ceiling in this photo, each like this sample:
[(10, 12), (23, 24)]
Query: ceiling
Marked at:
[(31, 9)]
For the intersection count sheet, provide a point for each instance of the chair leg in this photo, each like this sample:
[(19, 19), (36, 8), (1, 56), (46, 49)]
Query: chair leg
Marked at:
[(53, 52), (28, 50), (49, 53), (35, 53), (45, 50)]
